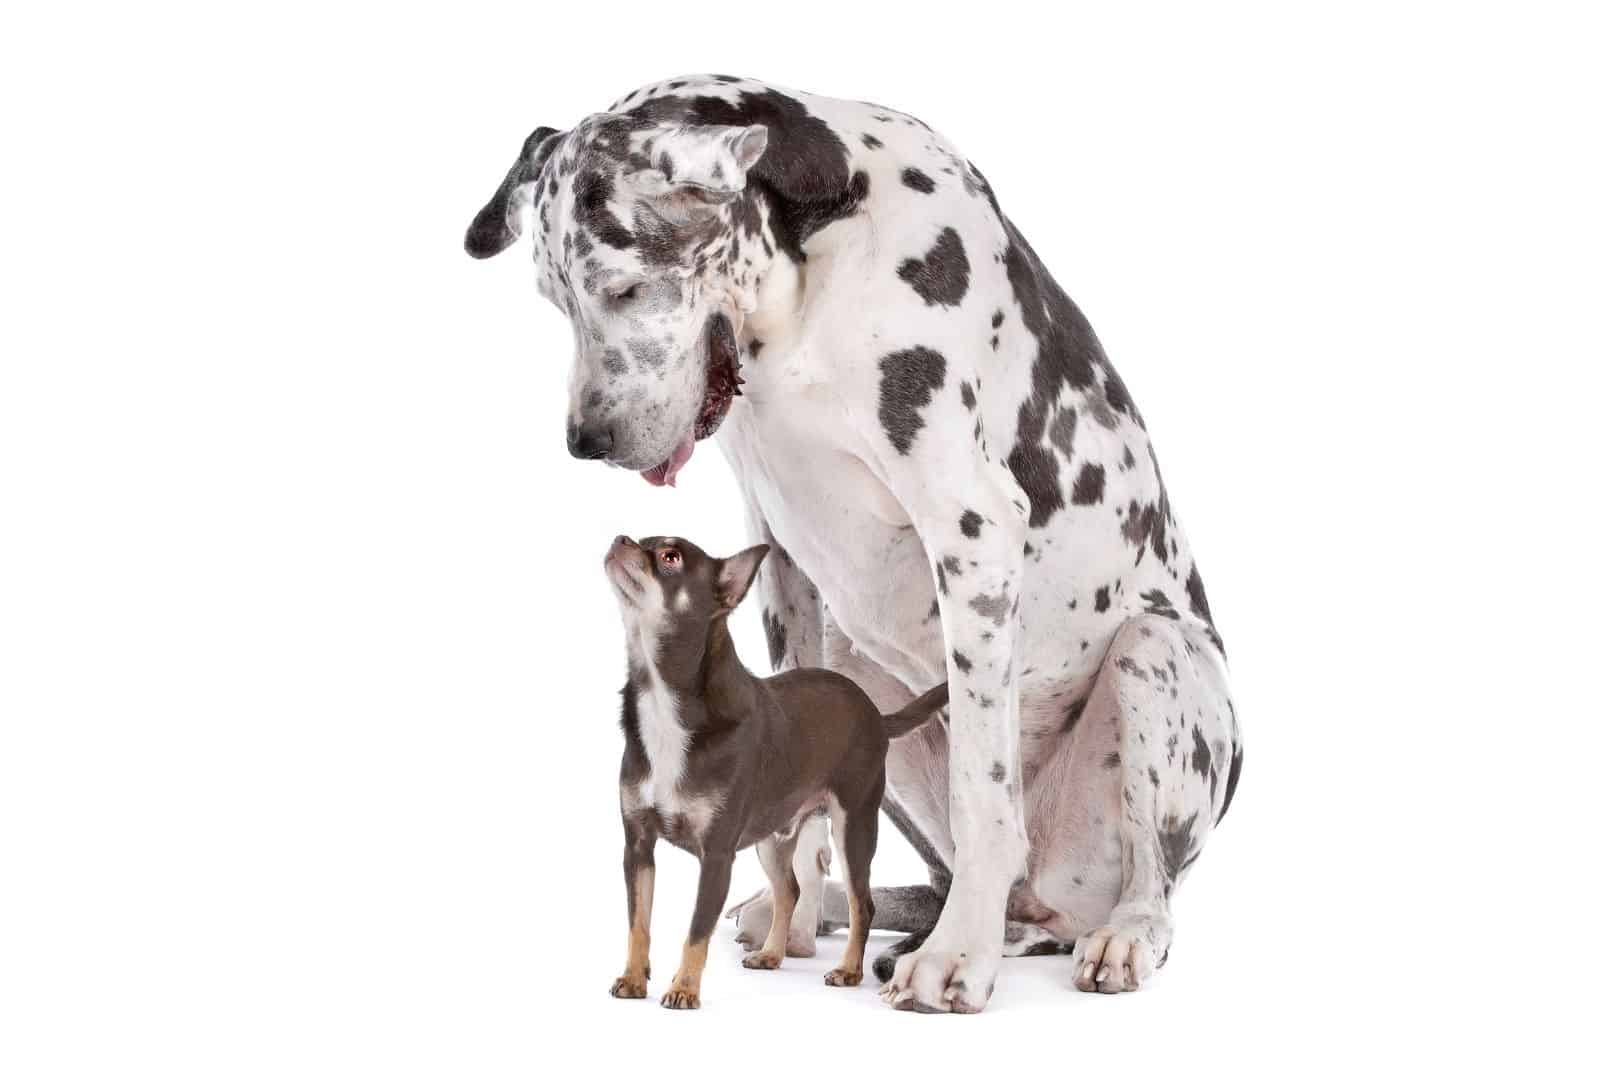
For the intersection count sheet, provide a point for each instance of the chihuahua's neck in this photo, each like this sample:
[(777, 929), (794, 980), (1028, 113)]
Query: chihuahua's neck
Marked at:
[(687, 669)]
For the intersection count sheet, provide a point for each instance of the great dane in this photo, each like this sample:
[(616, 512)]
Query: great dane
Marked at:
[(956, 484)]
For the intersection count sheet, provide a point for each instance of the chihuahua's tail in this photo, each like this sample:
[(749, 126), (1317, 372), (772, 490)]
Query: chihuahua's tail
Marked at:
[(917, 712)]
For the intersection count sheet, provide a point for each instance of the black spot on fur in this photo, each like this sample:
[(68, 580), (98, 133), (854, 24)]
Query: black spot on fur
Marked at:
[(1112, 760), (941, 276), (591, 191), (1090, 485), (1177, 839), (910, 377), (1200, 760), (1234, 767), (971, 523), (870, 141), (804, 173), (915, 179), (1102, 599), (777, 637), (997, 773), (969, 399), (1157, 604), (1202, 607), (1068, 353), (1146, 526), (961, 661), (1037, 472), (1074, 714)]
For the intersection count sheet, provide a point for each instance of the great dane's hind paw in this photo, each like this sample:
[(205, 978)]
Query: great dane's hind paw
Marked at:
[(932, 980), (1112, 960)]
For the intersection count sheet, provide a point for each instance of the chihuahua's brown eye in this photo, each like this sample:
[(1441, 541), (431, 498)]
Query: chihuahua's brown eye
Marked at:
[(671, 557)]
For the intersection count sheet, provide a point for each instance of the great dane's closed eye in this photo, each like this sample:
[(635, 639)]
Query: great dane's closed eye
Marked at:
[(956, 483)]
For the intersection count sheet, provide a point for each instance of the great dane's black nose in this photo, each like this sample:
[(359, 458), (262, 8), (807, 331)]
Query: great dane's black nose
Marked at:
[(588, 442)]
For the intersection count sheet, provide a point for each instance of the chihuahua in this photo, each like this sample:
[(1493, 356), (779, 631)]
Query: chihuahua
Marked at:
[(716, 759)]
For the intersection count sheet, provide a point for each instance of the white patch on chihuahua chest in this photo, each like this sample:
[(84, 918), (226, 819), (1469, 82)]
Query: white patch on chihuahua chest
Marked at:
[(664, 739)]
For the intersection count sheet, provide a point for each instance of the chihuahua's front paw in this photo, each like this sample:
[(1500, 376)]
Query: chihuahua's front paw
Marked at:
[(628, 986), (761, 960), (678, 997), (843, 977)]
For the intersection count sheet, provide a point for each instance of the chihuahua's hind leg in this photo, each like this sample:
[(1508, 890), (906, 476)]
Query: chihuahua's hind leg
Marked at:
[(777, 860), (855, 837)]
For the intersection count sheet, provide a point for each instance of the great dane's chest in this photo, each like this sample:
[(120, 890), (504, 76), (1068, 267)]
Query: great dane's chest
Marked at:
[(846, 531)]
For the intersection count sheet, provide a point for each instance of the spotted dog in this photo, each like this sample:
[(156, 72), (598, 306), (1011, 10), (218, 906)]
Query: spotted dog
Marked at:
[(956, 482)]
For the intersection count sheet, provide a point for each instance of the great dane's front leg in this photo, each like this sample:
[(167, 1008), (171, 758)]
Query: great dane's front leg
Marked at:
[(969, 516)]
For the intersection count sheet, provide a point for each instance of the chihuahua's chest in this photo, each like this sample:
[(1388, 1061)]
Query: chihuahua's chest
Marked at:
[(682, 810)]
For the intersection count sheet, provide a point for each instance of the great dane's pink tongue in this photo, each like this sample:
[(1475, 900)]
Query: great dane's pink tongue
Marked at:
[(665, 473)]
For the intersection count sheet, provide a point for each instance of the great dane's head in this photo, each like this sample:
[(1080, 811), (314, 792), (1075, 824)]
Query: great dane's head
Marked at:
[(629, 219)]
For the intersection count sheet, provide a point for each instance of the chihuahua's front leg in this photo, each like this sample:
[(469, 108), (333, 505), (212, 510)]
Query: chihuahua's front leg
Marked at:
[(716, 867), (639, 871)]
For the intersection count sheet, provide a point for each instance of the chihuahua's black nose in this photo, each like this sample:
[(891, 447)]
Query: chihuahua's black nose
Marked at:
[(588, 442)]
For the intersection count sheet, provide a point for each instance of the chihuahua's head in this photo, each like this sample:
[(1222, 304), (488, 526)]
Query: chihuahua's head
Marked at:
[(672, 591)]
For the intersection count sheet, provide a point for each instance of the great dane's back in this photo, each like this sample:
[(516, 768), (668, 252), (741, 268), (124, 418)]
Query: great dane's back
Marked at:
[(955, 480)]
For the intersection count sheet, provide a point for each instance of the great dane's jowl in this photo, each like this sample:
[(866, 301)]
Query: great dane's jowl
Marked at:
[(955, 482)]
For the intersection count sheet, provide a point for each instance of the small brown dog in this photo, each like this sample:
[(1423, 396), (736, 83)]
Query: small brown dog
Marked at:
[(717, 759)]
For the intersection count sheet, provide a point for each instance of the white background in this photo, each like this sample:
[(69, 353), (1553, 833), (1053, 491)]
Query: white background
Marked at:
[(308, 670)]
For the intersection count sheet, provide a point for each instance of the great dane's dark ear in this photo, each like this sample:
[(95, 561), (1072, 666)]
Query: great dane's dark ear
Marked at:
[(499, 223), (735, 574), (695, 168)]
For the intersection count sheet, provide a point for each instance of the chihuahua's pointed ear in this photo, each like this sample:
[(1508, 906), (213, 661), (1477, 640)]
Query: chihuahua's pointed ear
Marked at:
[(499, 222), (736, 573)]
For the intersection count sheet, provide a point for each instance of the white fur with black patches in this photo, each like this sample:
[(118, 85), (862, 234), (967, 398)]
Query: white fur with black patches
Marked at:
[(960, 487)]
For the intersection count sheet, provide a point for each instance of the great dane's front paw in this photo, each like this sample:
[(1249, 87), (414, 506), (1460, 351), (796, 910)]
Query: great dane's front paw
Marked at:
[(936, 980), (752, 919), (1112, 960)]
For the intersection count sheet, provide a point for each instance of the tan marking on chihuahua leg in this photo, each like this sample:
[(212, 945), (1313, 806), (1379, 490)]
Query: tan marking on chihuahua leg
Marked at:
[(848, 973), (684, 993), (636, 974)]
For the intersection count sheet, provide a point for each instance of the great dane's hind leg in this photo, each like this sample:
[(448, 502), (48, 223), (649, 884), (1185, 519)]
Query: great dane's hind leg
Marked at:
[(822, 908), (1165, 686)]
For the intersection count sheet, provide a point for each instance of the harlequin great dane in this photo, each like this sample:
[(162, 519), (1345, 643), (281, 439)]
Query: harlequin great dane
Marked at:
[(956, 483)]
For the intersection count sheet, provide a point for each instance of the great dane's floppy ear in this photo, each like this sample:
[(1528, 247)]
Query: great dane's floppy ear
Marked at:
[(735, 574), (499, 223), (695, 168)]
